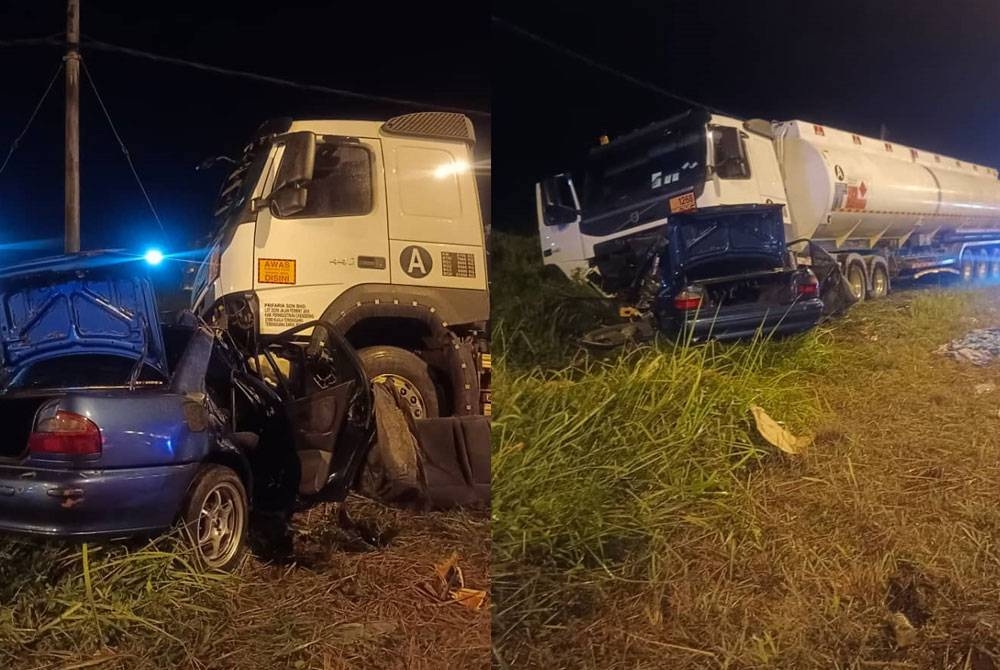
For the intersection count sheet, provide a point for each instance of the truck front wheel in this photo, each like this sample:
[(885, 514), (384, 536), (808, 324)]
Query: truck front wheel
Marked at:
[(407, 373)]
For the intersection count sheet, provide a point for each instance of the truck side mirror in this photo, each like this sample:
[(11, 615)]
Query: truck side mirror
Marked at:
[(289, 193), (560, 204), (289, 201)]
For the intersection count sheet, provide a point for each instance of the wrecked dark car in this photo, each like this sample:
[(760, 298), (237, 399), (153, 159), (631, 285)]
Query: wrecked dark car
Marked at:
[(119, 426), (725, 273)]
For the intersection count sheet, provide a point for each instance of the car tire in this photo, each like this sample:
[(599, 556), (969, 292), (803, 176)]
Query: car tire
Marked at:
[(408, 373), (215, 516)]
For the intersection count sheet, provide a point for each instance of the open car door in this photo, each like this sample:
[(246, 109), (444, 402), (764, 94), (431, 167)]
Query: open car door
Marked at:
[(328, 402)]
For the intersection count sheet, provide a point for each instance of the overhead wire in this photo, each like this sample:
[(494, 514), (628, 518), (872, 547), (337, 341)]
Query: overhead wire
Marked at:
[(89, 43), (17, 140), (121, 143), (97, 45), (597, 65)]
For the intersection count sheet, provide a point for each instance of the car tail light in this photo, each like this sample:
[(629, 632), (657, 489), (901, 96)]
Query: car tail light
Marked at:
[(688, 299), (806, 285), (65, 433)]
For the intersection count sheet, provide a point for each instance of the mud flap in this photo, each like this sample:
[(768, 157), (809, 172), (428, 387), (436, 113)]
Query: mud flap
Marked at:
[(456, 453), (426, 463)]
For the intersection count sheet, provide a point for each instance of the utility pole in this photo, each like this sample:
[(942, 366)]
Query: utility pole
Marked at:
[(72, 212)]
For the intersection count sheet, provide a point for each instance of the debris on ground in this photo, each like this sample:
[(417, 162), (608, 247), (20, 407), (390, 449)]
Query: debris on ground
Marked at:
[(979, 347), (448, 584), (985, 387), (904, 634), (778, 435)]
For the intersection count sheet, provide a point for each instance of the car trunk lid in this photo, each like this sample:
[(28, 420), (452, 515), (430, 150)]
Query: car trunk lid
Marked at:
[(743, 234), (92, 304)]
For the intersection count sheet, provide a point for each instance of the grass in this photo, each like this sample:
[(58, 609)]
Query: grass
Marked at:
[(640, 522), (70, 603), (337, 604)]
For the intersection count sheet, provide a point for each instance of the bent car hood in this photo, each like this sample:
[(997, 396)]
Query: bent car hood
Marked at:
[(91, 303), (726, 231)]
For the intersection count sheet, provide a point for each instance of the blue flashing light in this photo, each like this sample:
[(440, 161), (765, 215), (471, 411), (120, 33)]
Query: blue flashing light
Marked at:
[(154, 256)]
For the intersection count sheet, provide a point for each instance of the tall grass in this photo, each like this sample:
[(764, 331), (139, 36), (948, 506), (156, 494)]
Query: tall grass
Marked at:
[(537, 313), (61, 602), (597, 461)]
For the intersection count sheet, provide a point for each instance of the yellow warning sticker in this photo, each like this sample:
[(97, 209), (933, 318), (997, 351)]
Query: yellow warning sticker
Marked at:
[(276, 271), (683, 203)]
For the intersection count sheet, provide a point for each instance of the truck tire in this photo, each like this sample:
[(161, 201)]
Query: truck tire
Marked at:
[(858, 279), (995, 266), (967, 268), (880, 281), (408, 373), (982, 262), (214, 517)]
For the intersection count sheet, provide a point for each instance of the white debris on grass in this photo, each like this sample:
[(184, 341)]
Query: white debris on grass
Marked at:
[(979, 347)]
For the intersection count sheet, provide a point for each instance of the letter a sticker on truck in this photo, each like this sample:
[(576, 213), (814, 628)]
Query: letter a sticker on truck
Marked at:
[(276, 270)]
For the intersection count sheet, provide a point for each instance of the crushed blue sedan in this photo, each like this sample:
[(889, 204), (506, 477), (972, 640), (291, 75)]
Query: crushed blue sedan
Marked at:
[(117, 425)]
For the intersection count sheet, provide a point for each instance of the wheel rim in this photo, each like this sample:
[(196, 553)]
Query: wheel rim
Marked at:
[(982, 270), (967, 271), (880, 283), (220, 524), (408, 391), (856, 278), (995, 269)]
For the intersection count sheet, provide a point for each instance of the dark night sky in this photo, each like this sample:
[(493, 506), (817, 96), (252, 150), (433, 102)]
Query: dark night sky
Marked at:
[(171, 117), (928, 70)]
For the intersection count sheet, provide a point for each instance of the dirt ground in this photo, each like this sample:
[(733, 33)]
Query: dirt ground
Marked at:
[(878, 548), (339, 603), (335, 602)]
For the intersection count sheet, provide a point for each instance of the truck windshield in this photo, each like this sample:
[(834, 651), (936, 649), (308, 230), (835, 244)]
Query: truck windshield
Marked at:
[(658, 163), (234, 197)]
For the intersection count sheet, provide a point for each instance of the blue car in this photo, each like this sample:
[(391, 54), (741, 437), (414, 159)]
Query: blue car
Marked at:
[(725, 274), (117, 425)]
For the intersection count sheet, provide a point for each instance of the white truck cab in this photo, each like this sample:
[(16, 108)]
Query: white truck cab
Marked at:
[(631, 185), (373, 226)]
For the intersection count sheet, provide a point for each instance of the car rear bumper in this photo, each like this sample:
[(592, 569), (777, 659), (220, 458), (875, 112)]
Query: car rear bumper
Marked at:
[(92, 503), (743, 321)]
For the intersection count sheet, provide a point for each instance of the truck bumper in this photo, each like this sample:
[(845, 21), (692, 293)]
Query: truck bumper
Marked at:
[(91, 504), (742, 321)]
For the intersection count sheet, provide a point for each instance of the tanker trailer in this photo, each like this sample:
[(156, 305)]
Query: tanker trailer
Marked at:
[(887, 210), (882, 210)]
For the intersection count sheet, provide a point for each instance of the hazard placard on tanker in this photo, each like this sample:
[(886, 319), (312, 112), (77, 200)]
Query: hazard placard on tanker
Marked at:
[(276, 271)]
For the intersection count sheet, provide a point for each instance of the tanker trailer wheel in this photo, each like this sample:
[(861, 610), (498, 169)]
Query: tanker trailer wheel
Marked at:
[(968, 269), (995, 266), (880, 282), (407, 373), (982, 267), (858, 281)]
